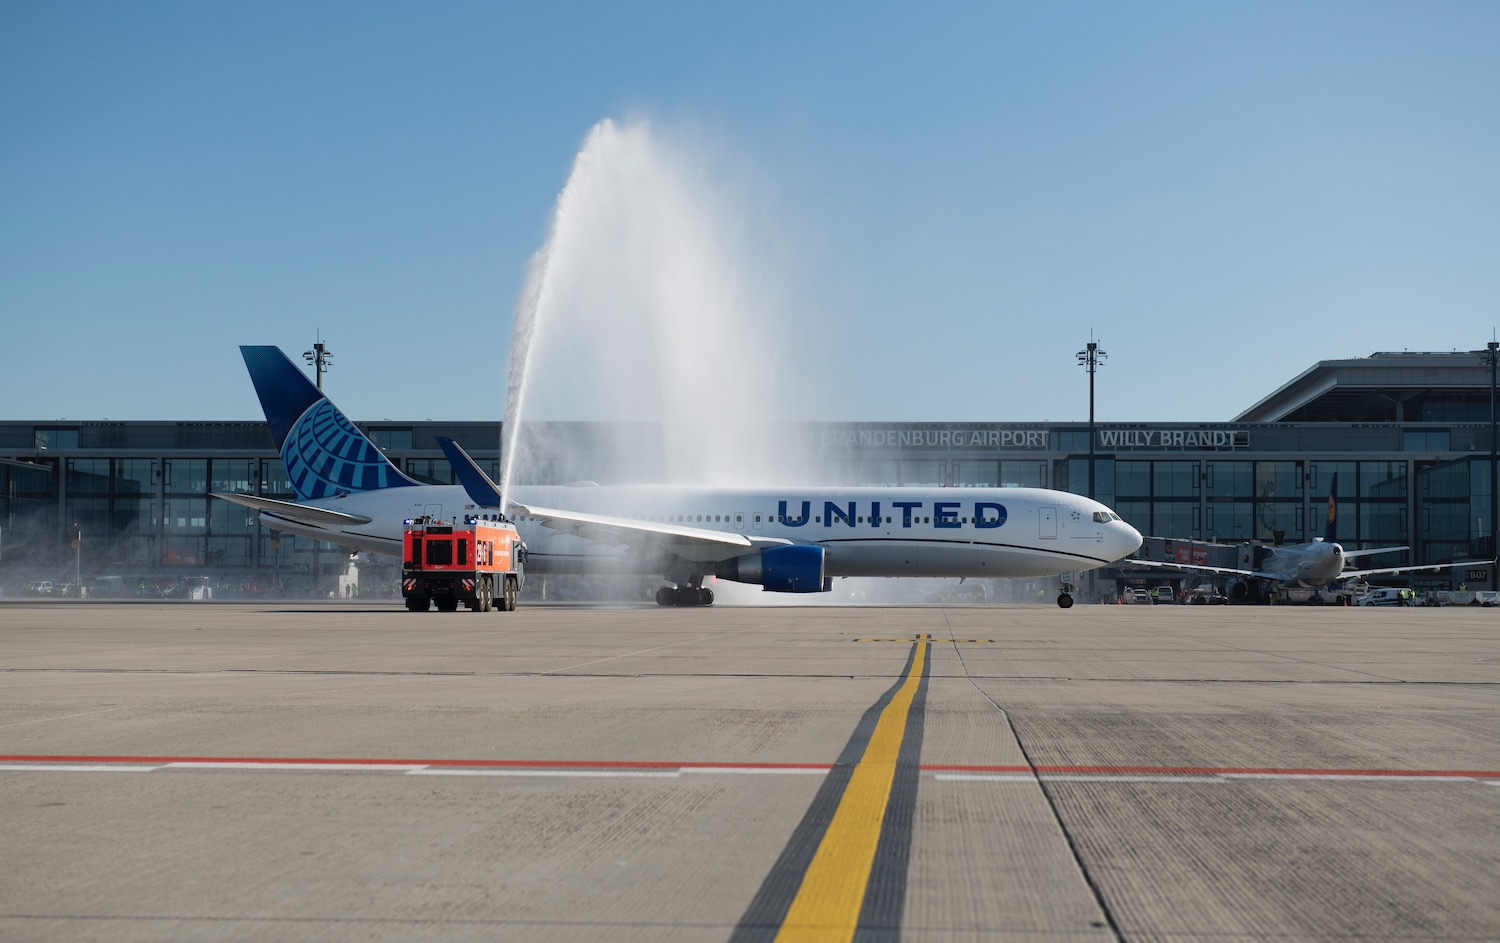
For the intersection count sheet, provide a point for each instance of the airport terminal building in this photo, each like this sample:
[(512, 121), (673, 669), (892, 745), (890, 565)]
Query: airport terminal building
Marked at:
[(1409, 436)]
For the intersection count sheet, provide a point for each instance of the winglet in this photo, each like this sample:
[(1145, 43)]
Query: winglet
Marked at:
[(481, 489)]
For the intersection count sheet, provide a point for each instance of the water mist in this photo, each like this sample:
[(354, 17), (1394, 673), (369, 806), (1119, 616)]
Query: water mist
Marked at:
[(654, 301)]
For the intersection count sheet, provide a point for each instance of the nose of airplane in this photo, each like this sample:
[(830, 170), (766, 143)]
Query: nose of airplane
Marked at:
[(1124, 540)]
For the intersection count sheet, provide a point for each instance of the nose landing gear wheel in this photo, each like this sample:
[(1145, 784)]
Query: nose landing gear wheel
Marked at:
[(1064, 601)]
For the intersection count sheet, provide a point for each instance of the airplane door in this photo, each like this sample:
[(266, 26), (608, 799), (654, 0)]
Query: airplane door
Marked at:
[(1047, 517)]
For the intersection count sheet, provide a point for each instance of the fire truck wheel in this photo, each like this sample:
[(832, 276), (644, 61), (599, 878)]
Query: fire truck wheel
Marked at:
[(447, 605), (512, 593), (416, 603), (486, 595)]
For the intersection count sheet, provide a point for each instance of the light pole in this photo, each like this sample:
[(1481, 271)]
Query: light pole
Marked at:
[(321, 358), (1493, 357), (77, 569), (1089, 358)]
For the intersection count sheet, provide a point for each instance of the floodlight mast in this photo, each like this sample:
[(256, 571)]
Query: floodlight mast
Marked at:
[(1090, 359), (1492, 357), (321, 358)]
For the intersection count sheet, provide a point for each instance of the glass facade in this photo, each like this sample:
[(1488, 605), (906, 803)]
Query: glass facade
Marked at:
[(431, 471), (112, 502), (1453, 516)]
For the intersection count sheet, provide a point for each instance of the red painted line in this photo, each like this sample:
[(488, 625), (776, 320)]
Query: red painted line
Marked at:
[(664, 764)]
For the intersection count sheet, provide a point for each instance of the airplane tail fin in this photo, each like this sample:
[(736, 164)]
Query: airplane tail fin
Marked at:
[(323, 451), (1331, 534)]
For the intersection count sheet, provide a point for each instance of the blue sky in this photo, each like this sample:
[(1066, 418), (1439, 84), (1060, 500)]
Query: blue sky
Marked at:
[(959, 193)]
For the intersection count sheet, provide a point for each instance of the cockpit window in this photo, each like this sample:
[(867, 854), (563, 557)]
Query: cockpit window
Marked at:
[(1104, 517)]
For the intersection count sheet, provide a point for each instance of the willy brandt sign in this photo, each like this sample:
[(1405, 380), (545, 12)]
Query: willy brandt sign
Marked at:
[(1171, 438)]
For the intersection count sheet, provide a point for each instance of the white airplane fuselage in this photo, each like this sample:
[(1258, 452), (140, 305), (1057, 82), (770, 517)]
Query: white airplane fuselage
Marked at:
[(867, 531), (1308, 565)]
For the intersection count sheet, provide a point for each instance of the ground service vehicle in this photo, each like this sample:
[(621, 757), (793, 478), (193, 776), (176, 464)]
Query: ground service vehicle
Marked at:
[(1206, 596), (1386, 597), (478, 563)]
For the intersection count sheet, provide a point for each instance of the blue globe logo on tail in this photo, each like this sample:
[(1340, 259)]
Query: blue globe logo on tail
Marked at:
[(325, 454)]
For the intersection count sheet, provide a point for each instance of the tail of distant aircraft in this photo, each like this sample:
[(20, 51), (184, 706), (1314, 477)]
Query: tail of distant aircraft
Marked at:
[(323, 451), (1330, 535)]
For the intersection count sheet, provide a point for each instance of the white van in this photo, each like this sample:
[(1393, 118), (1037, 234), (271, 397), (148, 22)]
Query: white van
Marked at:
[(1382, 597)]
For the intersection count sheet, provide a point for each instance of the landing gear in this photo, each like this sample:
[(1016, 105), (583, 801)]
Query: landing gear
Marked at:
[(689, 595), (1065, 597)]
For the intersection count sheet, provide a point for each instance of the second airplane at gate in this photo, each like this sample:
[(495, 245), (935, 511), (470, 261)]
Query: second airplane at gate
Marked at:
[(790, 540)]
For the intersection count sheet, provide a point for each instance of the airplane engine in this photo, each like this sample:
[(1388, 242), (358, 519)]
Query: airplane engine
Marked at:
[(1243, 590), (794, 569)]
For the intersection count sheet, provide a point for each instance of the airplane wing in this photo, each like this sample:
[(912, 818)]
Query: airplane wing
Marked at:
[(601, 528), (1201, 568), (620, 531), (1351, 554), (1390, 570), (301, 513)]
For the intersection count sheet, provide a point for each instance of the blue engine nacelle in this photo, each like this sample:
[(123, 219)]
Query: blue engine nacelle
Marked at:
[(793, 569)]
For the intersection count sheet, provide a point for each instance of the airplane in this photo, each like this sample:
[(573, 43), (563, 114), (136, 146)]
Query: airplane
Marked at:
[(1311, 565), (787, 540)]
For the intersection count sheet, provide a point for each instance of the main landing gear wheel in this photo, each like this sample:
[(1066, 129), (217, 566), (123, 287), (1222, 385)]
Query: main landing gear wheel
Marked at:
[(684, 596)]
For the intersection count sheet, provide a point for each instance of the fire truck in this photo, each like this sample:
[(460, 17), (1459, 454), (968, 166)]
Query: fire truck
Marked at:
[(478, 563)]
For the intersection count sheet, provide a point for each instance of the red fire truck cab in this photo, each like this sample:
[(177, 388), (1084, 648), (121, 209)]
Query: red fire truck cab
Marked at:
[(478, 563)]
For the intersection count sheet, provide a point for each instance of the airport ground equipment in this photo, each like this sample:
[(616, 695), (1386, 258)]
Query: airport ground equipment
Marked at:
[(479, 563)]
